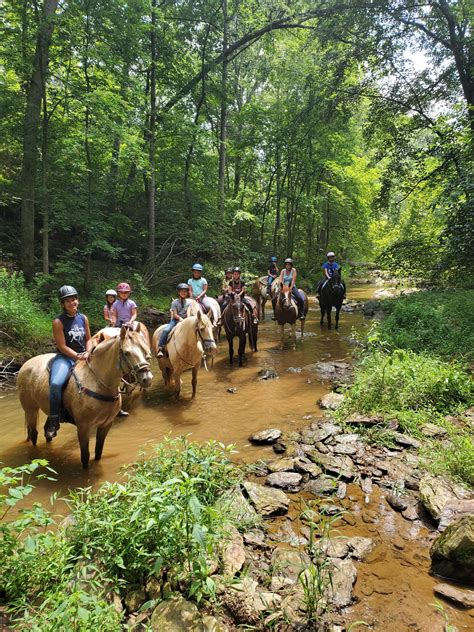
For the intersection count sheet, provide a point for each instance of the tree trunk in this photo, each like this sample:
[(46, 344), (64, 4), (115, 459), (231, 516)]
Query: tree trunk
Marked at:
[(151, 143), (44, 186), (223, 112), (32, 121)]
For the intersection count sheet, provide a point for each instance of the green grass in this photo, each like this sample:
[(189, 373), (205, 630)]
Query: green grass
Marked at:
[(441, 323)]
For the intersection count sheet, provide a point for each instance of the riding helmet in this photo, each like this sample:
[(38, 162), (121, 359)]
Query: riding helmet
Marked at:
[(237, 269), (197, 266), (330, 254), (111, 293), (289, 260), (67, 291), (273, 259), (229, 270), (123, 287), (182, 286)]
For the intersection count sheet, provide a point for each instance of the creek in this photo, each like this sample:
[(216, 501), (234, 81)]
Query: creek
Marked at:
[(394, 590)]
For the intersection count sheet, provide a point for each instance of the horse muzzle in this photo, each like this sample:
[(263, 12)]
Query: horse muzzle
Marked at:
[(210, 347), (144, 377)]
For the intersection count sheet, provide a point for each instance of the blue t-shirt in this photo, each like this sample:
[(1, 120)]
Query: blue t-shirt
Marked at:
[(197, 285), (330, 267), (74, 328)]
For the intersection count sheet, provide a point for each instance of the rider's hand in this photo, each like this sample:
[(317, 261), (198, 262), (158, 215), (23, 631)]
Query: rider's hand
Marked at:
[(83, 356)]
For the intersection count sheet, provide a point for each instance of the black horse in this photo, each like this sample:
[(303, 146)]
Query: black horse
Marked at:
[(332, 294), (237, 321)]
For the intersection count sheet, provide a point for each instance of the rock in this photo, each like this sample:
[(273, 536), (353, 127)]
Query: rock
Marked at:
[(329, 370), (281, 465), (454, 510), (232, 389), (436, 493), (410, 513), (267, 601), (239, 599), (331, 401), (432, 430), (286, 534), (211, 624), (345, 448), (397, 502), (286, 567), (267, 501), (329, 510), (232, 551), (270, 435), (237, 508), (339, 465), (452, 553), (305, 466), (320, 431), (335, 547), (153, 588), (134, 598), (294, 369), (175, 615), (463, 598), (255, 537), (285, 480), (268, 374), (364, 420), (360, 547), (412, 482), (367, 487), (341, 490), (343, 576), (321, 486), (406, 440)]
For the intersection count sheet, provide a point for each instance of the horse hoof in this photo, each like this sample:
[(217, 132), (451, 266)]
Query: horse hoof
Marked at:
[(48, 440)]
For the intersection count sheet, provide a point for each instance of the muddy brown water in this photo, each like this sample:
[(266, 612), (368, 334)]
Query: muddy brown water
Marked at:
[(394, 591)]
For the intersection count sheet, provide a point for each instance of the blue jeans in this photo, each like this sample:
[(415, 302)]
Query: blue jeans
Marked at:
[(59, 372), (166, 332)]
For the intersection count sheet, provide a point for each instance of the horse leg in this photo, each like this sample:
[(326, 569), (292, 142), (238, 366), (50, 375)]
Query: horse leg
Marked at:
[(293, 335), (263, 301), (302, 322), (242, 341), (194, 380), (83, 433), (338, 309), (254, 336), (231, 349), (329, 317), (322, 315), (102, 432), (282, 337), (31, 422)]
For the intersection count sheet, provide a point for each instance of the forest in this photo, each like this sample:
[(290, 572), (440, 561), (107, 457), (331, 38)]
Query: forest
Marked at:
[(138, 136)]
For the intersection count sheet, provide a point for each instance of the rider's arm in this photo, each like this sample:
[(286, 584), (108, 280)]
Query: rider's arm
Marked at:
[(326, 273), (203, 293), (190, 290), (113, 317), (107, 314), (134, 315), (175, 315), (60, 341), (88, 335)]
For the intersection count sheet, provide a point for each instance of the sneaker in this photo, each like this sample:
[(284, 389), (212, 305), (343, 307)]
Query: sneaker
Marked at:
[(255, 321), (122, 413), (51, 427), (303, 317)]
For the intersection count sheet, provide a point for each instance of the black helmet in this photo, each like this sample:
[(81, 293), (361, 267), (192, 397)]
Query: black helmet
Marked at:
[(289, 260), (237, 269), (182, 286), (66, 291)]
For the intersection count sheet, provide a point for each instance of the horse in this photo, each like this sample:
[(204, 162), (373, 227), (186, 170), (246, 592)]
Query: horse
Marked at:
[(214, 313), (129, 387), (190, 341), (91, 397), (331, 294), (238, 321), (286, 312)]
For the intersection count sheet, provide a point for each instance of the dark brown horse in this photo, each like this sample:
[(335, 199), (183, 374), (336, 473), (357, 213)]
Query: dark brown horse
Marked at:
[(331, 294), (286, 312), (237, 321)]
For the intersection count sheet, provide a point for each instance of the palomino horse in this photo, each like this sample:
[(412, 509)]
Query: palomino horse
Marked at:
[(286, 312), (214, 313), (190, 341), (130, 390), (92, 396), (237, 321), (331, 294)]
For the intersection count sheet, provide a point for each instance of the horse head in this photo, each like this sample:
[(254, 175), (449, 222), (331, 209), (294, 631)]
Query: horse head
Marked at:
[(205, 333), (284, 298), (237, 310), (134, 355)]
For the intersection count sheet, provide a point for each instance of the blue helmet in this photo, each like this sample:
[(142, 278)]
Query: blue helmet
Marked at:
[(197, 266), (273, 259)]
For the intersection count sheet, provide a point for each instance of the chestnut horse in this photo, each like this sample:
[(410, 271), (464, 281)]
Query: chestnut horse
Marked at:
[(237, 321), (92, 396), (190, 341), (286, 312)]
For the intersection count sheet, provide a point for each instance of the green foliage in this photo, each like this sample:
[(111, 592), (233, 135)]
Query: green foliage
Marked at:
[(455, 458), (438, 322), (22, 322)]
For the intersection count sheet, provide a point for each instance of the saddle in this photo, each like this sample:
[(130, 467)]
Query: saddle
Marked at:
[(64, 415)]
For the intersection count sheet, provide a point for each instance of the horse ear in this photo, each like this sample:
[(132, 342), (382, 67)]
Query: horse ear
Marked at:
[(123, 332), (101, 338), (138, 327), (199, 315)]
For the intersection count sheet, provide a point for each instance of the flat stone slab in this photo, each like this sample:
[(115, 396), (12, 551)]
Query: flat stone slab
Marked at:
[(287, 565), (340, 465), (461, 597), (269, 435), (266, 500), (321, 486), (175, 615), (331, 401), (282, 465), (285, 480), (437, 492)]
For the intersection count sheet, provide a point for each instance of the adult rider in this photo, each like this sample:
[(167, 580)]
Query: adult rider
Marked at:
[(72, 337), (288, 277)]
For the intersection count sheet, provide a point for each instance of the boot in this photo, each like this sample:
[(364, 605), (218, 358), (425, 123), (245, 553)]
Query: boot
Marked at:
[(160, 353), (51, 427), (122, 413)]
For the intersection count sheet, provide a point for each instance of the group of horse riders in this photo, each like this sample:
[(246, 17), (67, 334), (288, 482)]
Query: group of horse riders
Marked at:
[(71, 330)]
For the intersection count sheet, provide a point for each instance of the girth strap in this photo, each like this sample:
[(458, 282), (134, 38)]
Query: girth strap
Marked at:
[(87, 391)]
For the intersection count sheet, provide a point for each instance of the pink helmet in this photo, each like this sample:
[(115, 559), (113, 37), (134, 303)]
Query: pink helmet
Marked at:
[(123, 287)]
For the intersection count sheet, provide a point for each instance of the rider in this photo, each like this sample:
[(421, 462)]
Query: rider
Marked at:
[(226, 280), (72, 336), (124, 310), (272, 274), (110, 298), (329, 267), (197, 285), (179, 311), (237, 286), (288, 277)]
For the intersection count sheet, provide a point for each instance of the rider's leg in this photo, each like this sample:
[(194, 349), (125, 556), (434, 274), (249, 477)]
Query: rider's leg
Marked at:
[(251, 306), (164, 336), (225, 302), (205, 302), (299, 301), (59, 372)]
